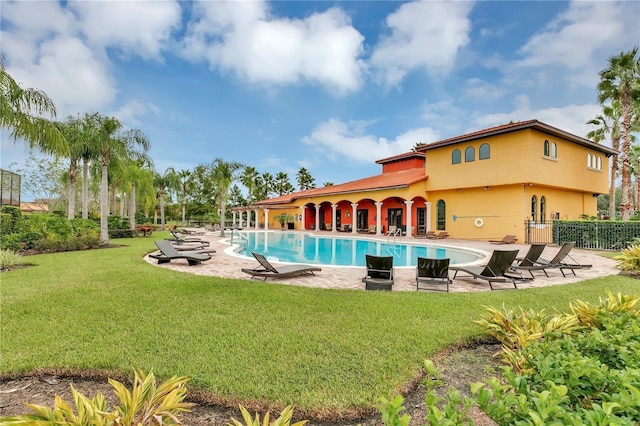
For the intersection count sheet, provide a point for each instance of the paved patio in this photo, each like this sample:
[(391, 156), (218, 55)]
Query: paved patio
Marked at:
[(225, 265)]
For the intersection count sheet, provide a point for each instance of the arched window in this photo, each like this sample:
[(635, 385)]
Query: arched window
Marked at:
[(588, 160), (469, 154), (546, 148), (456, 157), (441, 215), (534, 208), (554, 150), (543, 209), (485, 151), (599, 167)]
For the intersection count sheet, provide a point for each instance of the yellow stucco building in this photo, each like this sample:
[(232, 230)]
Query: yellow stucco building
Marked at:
[(481, 185)]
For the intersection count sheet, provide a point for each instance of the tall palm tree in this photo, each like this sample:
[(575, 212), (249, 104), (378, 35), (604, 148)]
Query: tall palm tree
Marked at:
[(140, 177), (305, 180), (620, 82), (164, 183), (609, 126), (184, 176), (249, 178), (224, 173), (113, 142), (21, 112), (268, 184), (282, 184)]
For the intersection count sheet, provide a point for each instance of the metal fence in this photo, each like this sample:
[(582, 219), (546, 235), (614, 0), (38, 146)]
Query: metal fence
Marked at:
[(594, 235)]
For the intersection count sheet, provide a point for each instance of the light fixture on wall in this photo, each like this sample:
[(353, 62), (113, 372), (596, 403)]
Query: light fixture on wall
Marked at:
[(458, 190), (348, 215), (487, 187)]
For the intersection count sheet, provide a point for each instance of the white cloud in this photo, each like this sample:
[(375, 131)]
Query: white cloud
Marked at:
[(581, 39), (129, 112), (425, 35), (348, 141), (139, 28), (480, 89), (242, 38), (571, 118)]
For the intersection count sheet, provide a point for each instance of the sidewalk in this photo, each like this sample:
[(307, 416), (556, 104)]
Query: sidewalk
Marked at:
[(226, 265)]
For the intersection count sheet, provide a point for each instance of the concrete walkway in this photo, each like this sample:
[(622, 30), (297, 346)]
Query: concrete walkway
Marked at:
[(225, 265)]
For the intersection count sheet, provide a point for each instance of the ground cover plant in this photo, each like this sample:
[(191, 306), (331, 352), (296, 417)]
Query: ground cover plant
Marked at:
[(330, 353)]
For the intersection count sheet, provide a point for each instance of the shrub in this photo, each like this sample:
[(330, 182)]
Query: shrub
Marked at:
[(146, 405), (122, 233), (9, 259), (283, 420), (629, 258), (117, 222), (13, 217)]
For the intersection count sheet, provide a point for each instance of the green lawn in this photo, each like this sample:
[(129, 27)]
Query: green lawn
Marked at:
[(325, 350)]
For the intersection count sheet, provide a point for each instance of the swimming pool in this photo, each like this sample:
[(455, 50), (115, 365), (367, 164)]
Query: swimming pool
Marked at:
[(298, 247)]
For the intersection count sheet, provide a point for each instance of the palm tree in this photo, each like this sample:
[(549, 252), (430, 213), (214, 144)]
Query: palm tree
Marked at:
[(266, 185), (249, 178), (184, 176), (635, 166), (609, 125), (305, 180), (112, 142), (620, 82), (282, 184), (223, 177), (21, 113), (163, 183)]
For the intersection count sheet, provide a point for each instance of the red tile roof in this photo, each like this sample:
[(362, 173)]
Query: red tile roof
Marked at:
[(398, 179), (513, 127), (403, 156)]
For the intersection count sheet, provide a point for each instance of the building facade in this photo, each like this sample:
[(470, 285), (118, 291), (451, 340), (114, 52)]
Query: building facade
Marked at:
[(480, 185)]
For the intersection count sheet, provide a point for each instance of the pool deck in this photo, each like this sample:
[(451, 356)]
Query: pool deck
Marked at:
[(225, 265)]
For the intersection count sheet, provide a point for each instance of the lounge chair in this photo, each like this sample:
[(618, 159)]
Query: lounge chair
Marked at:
[(494, 271), (178, 239), (372, 229), (528, 262), (434, 273), (507, 239), (394, 230), (267, 270), (167, 252), (379, 273), (346, 228), (558, 261), (327, 227)]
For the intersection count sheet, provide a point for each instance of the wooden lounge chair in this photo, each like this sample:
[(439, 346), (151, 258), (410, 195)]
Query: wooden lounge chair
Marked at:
[(494, 271), (372, 229), (507, 239), (167, 252), (559, 262), (434, 273), (379, 273), (267, 270), (528, 262)]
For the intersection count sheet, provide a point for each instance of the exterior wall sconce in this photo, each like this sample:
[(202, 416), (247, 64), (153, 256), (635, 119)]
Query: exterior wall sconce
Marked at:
[(458, 190), (487, 187), (348, 215)]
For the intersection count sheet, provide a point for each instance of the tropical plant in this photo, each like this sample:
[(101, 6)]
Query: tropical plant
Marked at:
[(147, 404), (282, 184), (184, 177), (249, 178), (9, 259), (164, 183), (283, 420), (21, 112), (620, 82), (629, 258)]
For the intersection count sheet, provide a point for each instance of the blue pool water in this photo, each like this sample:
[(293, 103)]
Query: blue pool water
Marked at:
[(297, 247)]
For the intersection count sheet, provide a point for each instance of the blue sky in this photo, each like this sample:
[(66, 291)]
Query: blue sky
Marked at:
[(331, 86)]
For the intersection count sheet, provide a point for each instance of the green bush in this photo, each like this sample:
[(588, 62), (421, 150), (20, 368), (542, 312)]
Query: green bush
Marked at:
[(629, 258), (118, 222), (14, 216), (122, 233)]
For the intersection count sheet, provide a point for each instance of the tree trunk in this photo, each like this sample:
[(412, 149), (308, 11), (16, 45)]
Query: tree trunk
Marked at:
[(104, 205), (184, 209), (615, 144), (132, 206), (85, 189), (223, 208), (162, 221), (73, 174), (625, 157)]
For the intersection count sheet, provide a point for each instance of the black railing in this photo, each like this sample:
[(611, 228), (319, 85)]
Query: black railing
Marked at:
[(593, 234)]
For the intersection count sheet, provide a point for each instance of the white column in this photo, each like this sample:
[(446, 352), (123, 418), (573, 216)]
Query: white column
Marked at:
[(354, 217), (333, 217), (240, 219), (266, 219), (304, 213), (255, 225), (379, 218), (408, 204), (233, 212), (317, 217), (428, 218)]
